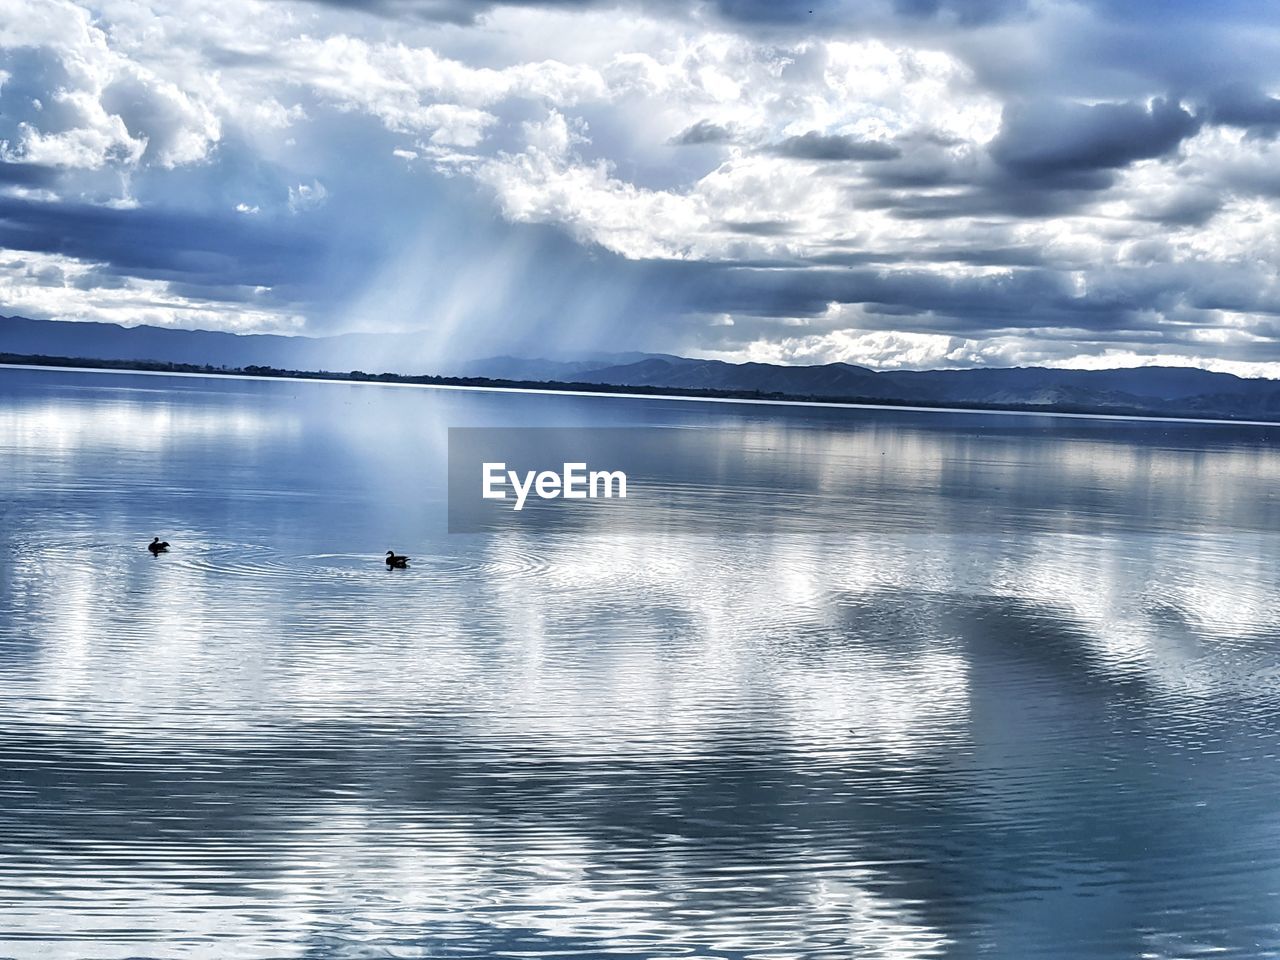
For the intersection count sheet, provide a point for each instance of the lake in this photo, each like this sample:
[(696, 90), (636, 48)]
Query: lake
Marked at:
[(890, 684)]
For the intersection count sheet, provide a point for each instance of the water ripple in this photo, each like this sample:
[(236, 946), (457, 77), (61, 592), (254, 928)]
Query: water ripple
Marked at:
[(1055, 736)]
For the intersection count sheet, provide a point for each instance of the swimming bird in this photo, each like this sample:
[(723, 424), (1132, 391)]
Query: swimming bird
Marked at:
[(395, 560), (158, 546)]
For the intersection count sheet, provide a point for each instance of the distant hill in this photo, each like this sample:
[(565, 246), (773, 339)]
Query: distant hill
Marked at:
[(1160, 390), (827, 380), (1154, 389), (524, 368), (109, 341), (403, 353)]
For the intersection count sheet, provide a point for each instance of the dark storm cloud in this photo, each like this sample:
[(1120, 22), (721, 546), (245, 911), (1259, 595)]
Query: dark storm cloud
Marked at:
[(27, 174), (988, 195), (1241, 105), (835, 147), (1192, 207), (1040, 304), (1119, 301), (965, 304), (999, 203), (1056, 140), (1049, 159), (976, 255), (163, 245), (704, 131), (773, 12)]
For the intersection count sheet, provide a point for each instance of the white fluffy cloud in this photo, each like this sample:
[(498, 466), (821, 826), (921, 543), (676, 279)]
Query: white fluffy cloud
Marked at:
[(106, 108)]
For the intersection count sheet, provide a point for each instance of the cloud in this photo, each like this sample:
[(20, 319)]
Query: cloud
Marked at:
[(836, 147), (1243, 106), (445, 11), (28, 174), (963, 12), (307, 196), (1185, 207), (704, 131), (462, 12), (1056, 140), (82, 104), (994, 180), (767, 13), (760, 228), (175, 128), (64, 288)]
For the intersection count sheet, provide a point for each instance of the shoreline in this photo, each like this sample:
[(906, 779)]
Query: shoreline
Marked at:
[(557, 388)]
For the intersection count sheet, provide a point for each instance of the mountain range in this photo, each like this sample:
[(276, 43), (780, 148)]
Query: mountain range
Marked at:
[(1160, 390)]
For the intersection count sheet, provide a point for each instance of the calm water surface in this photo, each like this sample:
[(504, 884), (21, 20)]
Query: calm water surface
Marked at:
[(942, 685)]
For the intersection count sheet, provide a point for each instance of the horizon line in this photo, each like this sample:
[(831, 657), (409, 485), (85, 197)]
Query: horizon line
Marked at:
[(619, 395)]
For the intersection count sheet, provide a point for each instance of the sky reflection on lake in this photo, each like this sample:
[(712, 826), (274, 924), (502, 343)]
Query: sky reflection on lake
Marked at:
[(944, 685)]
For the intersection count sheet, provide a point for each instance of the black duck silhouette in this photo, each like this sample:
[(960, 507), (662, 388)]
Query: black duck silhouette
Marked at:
[(396, 560), (158, 546)]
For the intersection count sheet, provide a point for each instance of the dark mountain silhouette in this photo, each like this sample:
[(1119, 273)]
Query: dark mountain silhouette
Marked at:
[(827, 380), (109, 341), (1155, 389), (1161, 390), (1152, 389), (403, 353)]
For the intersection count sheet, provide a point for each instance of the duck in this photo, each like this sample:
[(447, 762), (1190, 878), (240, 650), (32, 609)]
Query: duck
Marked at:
[(158, 546), (396, 560)]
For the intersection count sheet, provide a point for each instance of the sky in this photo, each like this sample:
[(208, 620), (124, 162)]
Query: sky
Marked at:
[(895, 183)]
